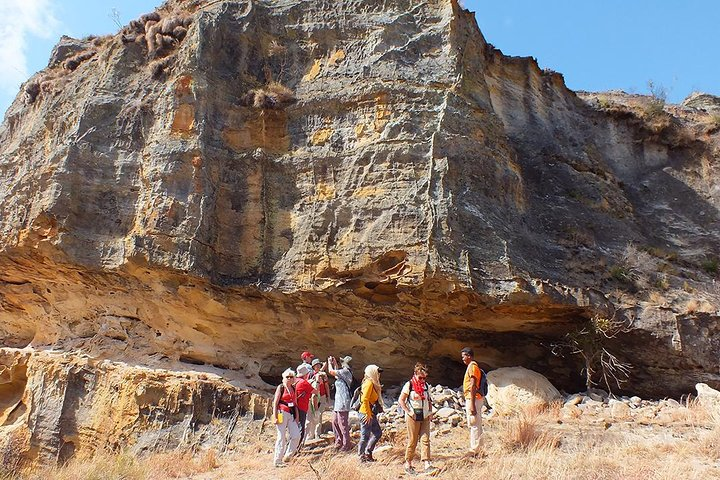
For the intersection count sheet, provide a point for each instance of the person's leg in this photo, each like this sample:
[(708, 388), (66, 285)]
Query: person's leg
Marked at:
[(375, 434), (478, 423), (475, 425), (337, 431), (424, 434), (303, 419), (294, 432), (412, 435), (318, 416), (345, 431), (472, 425), (280, 442), (311, 423), (364, 436)]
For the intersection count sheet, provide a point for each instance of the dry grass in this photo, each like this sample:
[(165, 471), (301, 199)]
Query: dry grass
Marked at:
[(533, 444), (525, 433), (274, 95), (123, 466)]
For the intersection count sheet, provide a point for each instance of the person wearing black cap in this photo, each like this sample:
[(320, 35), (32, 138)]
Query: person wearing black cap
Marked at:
[(473, 399)]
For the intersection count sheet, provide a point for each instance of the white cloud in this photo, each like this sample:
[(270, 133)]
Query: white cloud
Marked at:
[(20, 21)]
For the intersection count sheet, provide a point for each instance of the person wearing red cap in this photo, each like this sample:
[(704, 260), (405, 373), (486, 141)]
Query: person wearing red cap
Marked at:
[(307, 359)]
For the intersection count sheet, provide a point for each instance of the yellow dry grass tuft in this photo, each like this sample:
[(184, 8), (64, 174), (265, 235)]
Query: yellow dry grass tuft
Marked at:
[(524, 433), (111, 466)]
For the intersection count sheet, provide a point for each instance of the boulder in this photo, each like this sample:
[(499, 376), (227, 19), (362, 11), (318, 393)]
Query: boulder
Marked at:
[(702, 101), (619, 410), (709, 398), (513, 389), (445, 412)]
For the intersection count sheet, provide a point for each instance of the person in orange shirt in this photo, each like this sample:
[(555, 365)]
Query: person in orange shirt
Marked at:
[(473, 399)]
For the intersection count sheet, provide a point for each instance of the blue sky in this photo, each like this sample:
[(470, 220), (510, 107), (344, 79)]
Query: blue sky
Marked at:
[(613, 44)]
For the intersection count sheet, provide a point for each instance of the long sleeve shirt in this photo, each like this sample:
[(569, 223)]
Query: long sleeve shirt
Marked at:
[(368, 397)]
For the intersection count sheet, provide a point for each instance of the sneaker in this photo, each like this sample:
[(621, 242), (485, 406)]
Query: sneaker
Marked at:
[(364, 458), (286, 458), (430, 470), (410, 470), (280, 465), (370, 458)]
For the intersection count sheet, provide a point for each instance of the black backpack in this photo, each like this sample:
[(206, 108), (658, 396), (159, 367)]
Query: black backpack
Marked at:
[(483, 390), (483, 383)]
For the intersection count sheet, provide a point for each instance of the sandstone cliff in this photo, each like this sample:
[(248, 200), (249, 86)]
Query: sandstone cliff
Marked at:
[(226, 183)]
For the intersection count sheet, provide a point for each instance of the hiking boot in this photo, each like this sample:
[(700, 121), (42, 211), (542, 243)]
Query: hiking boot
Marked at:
[(370, 458), (364, 458)]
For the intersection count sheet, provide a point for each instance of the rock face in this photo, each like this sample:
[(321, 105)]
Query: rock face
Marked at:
[(514, 389), (54, 405), (224, 184), (702, 101)]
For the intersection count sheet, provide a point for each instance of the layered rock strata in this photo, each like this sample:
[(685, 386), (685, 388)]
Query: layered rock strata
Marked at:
[(350, 177), (54, 405)]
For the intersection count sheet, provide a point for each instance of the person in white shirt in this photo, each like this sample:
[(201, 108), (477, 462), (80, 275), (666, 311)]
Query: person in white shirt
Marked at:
[(415, 400)]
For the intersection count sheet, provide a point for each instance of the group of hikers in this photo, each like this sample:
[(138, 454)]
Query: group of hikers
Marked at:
[(304, 394)]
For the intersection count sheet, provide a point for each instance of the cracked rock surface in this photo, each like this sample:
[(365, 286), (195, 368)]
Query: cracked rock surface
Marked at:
[(349, 177)]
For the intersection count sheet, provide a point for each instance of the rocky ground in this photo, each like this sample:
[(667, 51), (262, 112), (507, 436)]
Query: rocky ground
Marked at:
[(583, 435)]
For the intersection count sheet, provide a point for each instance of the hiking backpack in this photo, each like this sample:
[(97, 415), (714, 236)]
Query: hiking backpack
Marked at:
[(355, 402), (483, 383), (483, 388)]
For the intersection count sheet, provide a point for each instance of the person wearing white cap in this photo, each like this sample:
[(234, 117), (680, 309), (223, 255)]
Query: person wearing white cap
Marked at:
[(305, 392), (343, 396), (285, 416), (319, 402)]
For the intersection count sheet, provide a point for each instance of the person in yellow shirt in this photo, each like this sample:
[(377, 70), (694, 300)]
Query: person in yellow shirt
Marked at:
[(473, 399), (370, 405)]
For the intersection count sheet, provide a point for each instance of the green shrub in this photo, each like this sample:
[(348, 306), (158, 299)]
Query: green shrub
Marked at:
[(711, 266), (655, 106), (621, 273)]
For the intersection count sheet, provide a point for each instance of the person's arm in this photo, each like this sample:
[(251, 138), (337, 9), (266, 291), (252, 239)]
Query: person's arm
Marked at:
[(367, 387), (473, 391), (276, 402), (324, 381), (332, 366), (403, 404), (297, 410), (430, 404)]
